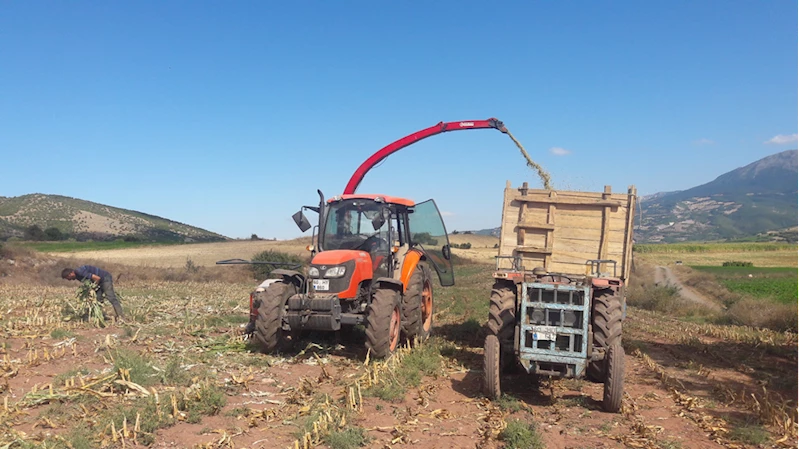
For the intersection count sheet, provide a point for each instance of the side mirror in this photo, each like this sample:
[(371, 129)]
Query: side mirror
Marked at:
[(301, 221), (378, 221), (445, 251)]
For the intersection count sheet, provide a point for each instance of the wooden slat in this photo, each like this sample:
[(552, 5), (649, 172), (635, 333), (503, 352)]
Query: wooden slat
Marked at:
[(550, 238), (534, 249), (631, 194), (576, 201), (536, 226), (603, 245)]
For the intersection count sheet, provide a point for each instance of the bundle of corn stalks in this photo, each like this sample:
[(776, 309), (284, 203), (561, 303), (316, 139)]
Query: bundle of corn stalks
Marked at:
[(88, 306)]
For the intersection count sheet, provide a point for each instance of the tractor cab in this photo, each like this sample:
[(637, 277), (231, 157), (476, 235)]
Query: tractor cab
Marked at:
[(365, 238)]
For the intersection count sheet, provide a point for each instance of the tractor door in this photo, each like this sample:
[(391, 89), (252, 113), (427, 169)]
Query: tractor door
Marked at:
[(428, 232)]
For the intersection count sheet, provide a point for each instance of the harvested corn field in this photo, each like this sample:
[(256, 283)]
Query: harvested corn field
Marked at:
[(180, 374)]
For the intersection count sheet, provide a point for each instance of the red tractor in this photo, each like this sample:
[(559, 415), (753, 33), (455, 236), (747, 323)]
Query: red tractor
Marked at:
[(372, 264)]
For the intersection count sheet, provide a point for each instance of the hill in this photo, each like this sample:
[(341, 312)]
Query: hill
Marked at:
[(87, 220), (750, 201)]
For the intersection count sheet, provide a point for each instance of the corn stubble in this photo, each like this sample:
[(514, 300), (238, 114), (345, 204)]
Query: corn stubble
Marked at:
[(86, 305)]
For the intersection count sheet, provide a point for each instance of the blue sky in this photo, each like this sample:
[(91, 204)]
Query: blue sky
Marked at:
[(229, 115)]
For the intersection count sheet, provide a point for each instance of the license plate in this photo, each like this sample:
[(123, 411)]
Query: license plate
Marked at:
[(321, 284), (548, 333)]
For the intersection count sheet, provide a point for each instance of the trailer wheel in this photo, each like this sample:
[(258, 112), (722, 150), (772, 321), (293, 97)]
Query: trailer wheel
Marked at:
[(614, 381), (383, 322), (269, 322), (417, 307), (606, 319), (491, 362)]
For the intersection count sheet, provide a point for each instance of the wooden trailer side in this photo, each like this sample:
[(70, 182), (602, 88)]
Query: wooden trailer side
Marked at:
[(561, 230)]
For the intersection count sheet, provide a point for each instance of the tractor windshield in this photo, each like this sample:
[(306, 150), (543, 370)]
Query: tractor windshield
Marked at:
[(350, 224)]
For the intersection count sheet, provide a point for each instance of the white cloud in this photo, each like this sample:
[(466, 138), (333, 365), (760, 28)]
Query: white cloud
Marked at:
[(781, 139), (704, 141), (447, 214), (558, 151)]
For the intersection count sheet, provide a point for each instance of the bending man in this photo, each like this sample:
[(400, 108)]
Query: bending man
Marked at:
[(103, 278)]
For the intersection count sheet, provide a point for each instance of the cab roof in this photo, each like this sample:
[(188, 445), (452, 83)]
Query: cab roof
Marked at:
[(368, 196)]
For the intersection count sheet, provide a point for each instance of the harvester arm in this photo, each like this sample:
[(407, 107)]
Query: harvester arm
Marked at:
[(441, 127)]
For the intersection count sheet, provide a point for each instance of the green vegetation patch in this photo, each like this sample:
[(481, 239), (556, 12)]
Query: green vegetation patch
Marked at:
[(288, 261), (521, 435), (780, 284)]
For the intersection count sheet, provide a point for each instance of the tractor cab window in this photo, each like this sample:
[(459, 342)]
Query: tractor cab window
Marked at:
[(351, 225), (429, 233)]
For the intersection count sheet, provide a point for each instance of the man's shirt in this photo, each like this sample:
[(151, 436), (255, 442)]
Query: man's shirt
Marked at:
[(85, 272)]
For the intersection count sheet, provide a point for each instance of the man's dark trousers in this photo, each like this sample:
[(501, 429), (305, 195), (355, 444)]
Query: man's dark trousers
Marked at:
[(107, 287)]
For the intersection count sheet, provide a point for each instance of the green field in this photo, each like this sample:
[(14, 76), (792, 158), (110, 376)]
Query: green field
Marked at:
[(680, 248), (66, 247), (776, 283)]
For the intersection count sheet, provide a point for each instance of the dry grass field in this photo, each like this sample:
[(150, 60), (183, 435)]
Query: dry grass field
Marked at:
[(201, 254), (207, 254), (781, 258)]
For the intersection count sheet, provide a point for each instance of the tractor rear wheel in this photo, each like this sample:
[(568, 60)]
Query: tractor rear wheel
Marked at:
[(269, 322), (502, 320), (491, 362), (614, 380), (417, 307), (606, 319), (383, 322)]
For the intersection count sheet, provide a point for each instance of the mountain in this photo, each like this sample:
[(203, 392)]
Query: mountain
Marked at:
[(87, 220), (748, 201)]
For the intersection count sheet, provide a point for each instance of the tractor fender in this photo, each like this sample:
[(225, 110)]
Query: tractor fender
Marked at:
[(412, 259), (292, 276), (386, 282)]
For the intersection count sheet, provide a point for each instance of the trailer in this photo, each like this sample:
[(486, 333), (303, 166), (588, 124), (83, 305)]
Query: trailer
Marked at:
[(558, 300)]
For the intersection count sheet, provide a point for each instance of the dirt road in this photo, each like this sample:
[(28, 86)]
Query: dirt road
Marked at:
[(665, 277)]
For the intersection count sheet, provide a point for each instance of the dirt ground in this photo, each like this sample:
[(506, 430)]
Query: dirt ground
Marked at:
[(685, 387)]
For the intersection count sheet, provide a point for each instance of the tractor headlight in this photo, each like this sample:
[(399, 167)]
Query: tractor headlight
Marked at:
[(335, 272), (313, 272)]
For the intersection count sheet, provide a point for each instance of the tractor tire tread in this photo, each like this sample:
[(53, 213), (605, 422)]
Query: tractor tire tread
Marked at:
[(378, 321), (269, 323), (412, 324), (502, 312), (606, 321)]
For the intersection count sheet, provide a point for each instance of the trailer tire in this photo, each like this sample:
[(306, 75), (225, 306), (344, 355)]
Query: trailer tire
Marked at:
[(614, 380), (491, 365), (269, 322), (383, 322), (417, 307), (606, 318)]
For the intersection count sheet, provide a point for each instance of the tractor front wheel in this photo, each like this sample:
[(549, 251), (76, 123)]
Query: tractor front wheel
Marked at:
[(417, 307), (502, 321), (491, 362), (383, 322), (269, 322), (614, 379), (606, 319)]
